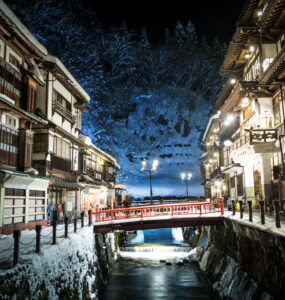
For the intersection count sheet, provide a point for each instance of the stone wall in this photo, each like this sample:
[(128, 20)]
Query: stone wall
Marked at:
[(74, 268), (244, 262)]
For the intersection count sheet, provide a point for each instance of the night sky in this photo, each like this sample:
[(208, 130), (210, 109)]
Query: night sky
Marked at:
[(210, 17)]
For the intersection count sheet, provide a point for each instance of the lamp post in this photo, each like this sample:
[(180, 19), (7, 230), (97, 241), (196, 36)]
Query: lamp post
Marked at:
[(153, 169), (186, 179)]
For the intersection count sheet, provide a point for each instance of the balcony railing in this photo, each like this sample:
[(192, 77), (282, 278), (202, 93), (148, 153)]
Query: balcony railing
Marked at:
[(215, 173), (60, 163), (57, 107), (96, 175), (258, 136)]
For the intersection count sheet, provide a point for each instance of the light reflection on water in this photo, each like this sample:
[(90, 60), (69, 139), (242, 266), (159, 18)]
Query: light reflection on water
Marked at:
[(158, 236)]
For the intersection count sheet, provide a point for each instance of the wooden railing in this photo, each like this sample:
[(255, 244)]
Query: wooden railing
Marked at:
[(262, 136), (56, 106), (182, 209)]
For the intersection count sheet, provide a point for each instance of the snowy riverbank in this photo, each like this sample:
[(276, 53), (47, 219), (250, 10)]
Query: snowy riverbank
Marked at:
[(71, 268)]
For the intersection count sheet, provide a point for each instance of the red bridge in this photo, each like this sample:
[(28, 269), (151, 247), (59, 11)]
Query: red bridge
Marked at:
[(158, 216)]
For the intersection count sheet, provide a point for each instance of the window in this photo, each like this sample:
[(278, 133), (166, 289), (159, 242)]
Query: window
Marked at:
[(276, 109), (10, 81), (61, 148), (58, 98), (14, 61), (14, 206), (36, 205), (10, 121), (8, 139)]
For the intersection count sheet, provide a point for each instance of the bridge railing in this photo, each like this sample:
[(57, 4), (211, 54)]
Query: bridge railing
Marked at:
[(198, 208)]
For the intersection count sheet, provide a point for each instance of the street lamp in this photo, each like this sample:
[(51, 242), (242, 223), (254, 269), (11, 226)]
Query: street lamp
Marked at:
[(186, 179), (153, 169)]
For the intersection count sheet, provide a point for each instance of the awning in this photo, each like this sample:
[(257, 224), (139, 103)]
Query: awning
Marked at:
[(120, 186), (232, 168), (68, 185)]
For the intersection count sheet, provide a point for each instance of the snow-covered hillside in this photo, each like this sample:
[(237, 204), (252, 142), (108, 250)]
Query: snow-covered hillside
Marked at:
[(146, 101)]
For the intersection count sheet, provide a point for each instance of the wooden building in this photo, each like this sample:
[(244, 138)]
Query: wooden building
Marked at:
[(22, 192), (60, 102), (98, 170), (253, 98)]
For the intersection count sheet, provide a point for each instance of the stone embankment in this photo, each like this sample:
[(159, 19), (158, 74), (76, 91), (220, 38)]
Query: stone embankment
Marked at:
[(242, 261)]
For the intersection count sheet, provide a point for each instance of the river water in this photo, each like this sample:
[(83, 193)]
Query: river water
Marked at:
[(143, 273)]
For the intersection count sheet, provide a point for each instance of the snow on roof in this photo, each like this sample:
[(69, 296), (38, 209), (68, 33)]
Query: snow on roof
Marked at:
[(87, 140), (7, 12), (215, 117), (76, 85)]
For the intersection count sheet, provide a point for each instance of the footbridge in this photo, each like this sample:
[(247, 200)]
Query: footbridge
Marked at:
[(158, 216)]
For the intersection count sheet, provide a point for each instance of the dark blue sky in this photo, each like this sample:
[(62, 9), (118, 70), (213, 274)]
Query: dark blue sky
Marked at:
[(210, 17)]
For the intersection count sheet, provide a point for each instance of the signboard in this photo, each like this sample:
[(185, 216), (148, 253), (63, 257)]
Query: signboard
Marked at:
[(69, 206), (75, 160)]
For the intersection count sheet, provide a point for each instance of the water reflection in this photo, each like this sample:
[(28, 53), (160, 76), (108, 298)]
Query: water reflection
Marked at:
[(146, 279), (140, 275)]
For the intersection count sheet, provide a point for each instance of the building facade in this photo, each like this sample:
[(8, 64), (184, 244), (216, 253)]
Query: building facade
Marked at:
[(251, 107), (98, 170), (60, 102), (23, 194)]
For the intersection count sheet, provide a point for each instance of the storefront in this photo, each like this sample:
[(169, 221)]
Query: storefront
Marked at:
[(93, 197)]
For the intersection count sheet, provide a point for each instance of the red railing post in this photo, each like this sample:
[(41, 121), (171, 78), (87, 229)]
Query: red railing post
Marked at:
[(222, 207)]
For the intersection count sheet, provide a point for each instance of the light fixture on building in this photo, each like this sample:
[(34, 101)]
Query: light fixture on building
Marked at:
[(216, 154), (251, 48), (219, 112), (233, 81), (259, 13), (243, 105), (229, 120), (245, 100), (228, 143), (210, 161), (215, 130), (247, 56)]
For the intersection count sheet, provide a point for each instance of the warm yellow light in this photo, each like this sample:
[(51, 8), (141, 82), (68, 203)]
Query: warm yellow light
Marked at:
[(245, 99), (210, 161), (259, 13), (247, 56), (233, 81), (251, 48), (216, 154)]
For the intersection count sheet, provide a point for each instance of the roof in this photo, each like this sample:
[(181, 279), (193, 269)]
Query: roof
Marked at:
[(23, 174), (8, 101), (212, 119), (73, 84), (87, 140), (21, 28)]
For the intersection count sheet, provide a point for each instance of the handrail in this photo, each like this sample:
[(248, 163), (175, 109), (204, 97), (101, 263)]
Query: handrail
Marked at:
[(198, 208)]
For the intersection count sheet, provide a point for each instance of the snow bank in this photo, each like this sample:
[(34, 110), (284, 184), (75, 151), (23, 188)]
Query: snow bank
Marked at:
[(67, 269)]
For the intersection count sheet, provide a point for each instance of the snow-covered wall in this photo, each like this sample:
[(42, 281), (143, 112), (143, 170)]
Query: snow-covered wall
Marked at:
[(244, 262), (75, 268)]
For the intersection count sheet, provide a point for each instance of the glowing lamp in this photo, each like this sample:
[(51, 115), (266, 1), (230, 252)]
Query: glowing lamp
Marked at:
[(251, 48), (233, 81), (228, 143)]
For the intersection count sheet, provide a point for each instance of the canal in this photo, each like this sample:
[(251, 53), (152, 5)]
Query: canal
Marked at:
[(148, 269)]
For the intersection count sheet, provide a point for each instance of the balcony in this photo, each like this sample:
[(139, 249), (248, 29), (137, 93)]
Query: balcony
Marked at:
[(258, 136), (8, 146), (217, 172), (60, 164), (96, 175), (60, 109)]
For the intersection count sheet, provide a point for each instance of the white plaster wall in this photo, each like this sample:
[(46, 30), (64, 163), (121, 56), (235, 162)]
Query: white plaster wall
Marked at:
[(2, 46)]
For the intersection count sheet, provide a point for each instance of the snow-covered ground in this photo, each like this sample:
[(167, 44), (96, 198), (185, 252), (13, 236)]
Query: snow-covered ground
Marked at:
[(269, 225), (67, 267)]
